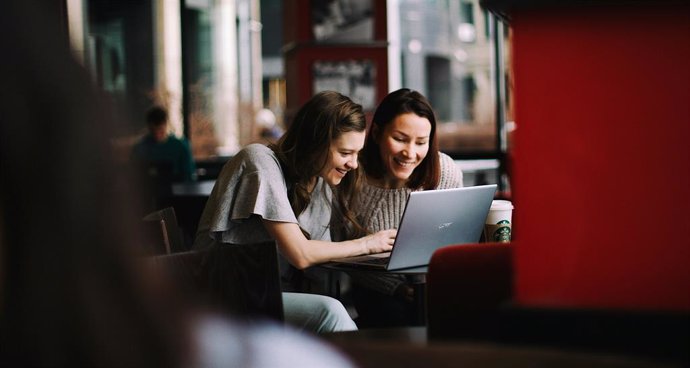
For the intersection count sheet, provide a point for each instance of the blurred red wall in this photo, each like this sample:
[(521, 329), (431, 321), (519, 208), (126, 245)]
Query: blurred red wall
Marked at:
[(602, 157)]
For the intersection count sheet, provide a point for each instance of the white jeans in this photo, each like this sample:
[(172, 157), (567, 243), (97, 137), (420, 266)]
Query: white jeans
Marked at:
[(316, 313)]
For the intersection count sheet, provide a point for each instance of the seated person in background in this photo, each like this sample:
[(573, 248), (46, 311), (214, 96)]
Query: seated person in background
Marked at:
[(159, 146), (288, 192), (400, 155), (69, 296)]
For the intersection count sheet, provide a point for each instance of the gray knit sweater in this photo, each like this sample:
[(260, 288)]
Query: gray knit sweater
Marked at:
[(380, 209)]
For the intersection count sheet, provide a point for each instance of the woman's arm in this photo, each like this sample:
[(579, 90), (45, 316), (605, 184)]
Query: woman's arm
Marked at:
[(302, 252)]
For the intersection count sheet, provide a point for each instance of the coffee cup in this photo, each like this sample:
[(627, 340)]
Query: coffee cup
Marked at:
[(498, 225)]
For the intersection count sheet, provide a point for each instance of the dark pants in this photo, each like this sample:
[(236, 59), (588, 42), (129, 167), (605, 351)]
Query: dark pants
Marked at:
[(379, 310)]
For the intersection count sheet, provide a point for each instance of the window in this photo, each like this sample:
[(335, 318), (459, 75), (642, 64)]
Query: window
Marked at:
[(451, 64), (448, 53)]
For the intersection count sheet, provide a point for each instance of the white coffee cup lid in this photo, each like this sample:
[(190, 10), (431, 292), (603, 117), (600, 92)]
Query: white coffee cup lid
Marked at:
[(498, 205)]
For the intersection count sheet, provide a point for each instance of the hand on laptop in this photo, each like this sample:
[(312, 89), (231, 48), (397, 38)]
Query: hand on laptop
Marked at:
[(380, 242)]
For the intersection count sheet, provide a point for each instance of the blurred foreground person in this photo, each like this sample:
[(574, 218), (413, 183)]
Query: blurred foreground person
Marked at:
[(69, 294)]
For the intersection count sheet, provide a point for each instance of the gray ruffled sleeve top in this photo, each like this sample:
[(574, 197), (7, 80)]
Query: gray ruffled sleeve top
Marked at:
[(252, 187)]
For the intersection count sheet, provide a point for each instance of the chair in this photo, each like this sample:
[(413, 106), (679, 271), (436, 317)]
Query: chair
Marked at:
[(153, 180), (239, 280), (470, 297), (465, 283), (163, 235), (188, 209)]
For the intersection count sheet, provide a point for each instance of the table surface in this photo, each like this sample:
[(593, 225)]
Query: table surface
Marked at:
[(197, 188), (407, 347)]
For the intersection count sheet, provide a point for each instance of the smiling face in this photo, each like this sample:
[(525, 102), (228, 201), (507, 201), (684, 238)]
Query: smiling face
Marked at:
[(403, 144), (342, 156)]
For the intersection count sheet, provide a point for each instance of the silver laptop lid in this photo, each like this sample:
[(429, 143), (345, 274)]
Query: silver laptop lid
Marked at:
[(437, 218)]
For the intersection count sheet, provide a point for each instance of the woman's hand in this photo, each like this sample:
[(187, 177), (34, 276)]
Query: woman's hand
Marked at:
[(302, 252), (379, 242)]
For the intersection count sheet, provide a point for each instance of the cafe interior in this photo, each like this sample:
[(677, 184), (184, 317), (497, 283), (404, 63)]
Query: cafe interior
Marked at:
[(578, 111)]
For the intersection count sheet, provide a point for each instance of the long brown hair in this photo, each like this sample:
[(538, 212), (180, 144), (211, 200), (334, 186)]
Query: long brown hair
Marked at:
[(403, 101), (304, 149)]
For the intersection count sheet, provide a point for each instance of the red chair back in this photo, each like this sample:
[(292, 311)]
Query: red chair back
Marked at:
[(464, 280)]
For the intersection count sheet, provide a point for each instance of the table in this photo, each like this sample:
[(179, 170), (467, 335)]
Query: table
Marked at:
[(409, 347), (193, 189)]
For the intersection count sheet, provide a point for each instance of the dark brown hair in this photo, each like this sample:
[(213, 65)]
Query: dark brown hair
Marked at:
[(304, 149), (403, 101), (156, 116)]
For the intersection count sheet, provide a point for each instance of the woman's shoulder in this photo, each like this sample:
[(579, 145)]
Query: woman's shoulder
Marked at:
[(258, 155), (447, 162), (256, 150), (445, 159), (253, 159), (451, 175)]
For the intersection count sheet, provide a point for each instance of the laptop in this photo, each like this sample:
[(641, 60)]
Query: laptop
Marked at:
[(432, 219)]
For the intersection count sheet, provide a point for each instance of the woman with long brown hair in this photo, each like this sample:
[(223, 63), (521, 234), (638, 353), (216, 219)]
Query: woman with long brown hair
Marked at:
[(400, 155), (296, 192)]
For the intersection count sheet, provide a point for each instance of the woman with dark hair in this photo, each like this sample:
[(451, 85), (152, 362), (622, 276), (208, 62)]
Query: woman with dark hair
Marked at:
[(400, 155), (287, 192)]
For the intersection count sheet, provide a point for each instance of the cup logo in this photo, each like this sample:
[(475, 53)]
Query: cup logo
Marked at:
[(502, 232), (497, 227)]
